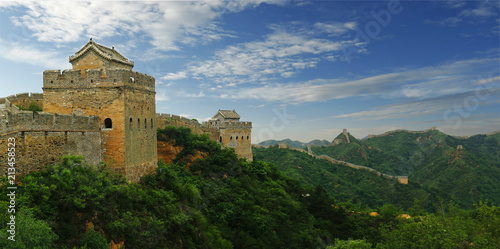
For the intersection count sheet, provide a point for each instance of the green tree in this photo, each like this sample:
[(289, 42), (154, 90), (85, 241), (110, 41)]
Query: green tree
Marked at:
[(32, 107), (350, 244), (30, 233), (93, 240)]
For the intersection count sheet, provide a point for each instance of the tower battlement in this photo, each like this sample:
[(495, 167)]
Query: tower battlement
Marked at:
[(41, 121), (113, 77), (100, 109), (228, 124)]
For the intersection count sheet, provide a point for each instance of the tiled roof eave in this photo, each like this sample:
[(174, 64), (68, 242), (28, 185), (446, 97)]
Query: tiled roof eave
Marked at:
[(100, 53), (225, 113)]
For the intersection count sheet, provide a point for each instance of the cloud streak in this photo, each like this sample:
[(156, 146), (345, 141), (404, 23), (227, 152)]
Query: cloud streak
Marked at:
[(428, 82), (22, 53), (281, 54), (167, 24), (482, 11)]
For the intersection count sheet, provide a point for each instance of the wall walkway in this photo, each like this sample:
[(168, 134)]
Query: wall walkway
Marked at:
[(401, 179)]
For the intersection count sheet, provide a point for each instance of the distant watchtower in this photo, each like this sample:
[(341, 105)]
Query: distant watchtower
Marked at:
[(102, 83), (232, 132)]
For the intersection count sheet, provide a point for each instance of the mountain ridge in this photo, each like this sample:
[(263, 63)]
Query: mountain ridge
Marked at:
[(312, 142), (294, 143), (466, 168)]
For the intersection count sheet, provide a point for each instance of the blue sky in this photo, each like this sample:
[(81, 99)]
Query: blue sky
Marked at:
[(297, 69)]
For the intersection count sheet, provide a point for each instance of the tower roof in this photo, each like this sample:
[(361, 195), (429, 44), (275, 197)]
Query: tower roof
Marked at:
[(228, 114), (105, 52)]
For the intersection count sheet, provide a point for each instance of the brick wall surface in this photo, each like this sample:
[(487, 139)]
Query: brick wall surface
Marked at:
[(35, 149), (125, 97)]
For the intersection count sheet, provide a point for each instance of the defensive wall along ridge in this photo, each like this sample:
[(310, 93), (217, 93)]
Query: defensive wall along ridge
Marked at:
[(42, 138), (401, 179), (234, 134), (21, 99), (164, 119), (103, 110), (401, 130)]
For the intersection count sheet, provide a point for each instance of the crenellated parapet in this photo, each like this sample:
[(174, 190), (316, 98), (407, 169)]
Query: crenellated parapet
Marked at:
[(240, 125), (111, 77), (41, 121), (234, 134), (21, 99), (100, 109), (228, 124), (165, 117)]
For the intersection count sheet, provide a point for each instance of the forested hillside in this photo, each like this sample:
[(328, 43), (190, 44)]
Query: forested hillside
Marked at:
[(346, 184), (360, 153), (220, 201), (463, 169)]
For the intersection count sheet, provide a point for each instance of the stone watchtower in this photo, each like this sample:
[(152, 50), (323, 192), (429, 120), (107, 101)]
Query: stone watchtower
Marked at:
[(103, 84), (232, 132)]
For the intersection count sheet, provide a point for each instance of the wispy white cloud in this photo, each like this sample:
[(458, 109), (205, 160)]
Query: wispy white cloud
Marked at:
[(23, 53), (481, 11), (161, 96), (452, 103), (454, 4), (334, 28), (191, 95), (428, 82), (488, 80), (280, 54), (406, 110), (175, 76), (167, 24)]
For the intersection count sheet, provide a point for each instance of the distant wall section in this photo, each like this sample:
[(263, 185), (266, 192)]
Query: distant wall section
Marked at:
[(163, 120), (236, 135), (400, 179), (23, 99)]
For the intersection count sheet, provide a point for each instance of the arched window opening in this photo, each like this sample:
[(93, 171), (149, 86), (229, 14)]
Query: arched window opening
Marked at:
[(151, 123), (130, 123), (248, 138), (138, 123), (220, 139), (108, 124), (231, 138), (145, 123), (236, 138)]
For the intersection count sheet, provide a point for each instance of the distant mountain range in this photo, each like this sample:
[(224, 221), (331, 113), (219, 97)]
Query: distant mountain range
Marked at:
[(466, 169), (295, 143)]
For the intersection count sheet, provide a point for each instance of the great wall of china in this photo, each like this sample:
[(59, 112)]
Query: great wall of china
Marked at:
[(103, 110), (400, 130), (400, 179)]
